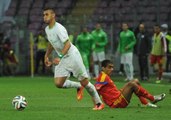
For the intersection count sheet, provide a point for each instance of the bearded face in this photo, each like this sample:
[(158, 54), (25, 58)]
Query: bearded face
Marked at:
[(48, 16)]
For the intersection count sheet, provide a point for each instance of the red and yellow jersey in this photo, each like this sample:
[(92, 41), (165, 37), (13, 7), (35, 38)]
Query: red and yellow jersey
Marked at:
[(107, 89)]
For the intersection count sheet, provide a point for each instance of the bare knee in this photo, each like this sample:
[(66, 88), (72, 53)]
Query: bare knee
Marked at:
[(136, 81), (59, 82), (59, 85), (84, 82), (132, 83)]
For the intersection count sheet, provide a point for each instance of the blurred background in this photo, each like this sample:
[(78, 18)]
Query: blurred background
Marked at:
[(22, 20)]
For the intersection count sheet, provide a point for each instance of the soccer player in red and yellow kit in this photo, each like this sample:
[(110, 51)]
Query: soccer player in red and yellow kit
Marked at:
[(116, 98), (158, 51)]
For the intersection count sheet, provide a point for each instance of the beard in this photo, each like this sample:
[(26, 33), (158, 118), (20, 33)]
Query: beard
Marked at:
[(47, 21)]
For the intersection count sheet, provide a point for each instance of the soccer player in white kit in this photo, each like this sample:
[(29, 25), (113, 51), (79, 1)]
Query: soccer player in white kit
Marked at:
[(69, 60)]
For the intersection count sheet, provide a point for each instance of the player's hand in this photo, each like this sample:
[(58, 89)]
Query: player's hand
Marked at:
[(47, 62), (56, 61)]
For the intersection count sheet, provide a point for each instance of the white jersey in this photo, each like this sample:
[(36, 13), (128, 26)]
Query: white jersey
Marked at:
[(57, 36), (72, 61)]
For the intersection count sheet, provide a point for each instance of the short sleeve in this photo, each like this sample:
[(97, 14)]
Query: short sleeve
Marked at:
[(62, 34)]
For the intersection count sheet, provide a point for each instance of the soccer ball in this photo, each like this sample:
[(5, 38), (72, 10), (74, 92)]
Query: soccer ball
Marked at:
[(19, 102)]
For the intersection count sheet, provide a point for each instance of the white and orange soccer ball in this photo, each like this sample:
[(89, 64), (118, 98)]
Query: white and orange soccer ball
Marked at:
[(19, 102)]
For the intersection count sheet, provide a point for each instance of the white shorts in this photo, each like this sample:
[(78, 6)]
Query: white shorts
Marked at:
[(71, 62), (127, 58), (99, 56)]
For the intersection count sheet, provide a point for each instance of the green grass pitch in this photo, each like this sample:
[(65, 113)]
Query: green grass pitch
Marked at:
[(46, 102)]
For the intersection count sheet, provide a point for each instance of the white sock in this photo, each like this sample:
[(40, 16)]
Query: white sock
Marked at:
[(96, 70), (71, 84), (92, 91)]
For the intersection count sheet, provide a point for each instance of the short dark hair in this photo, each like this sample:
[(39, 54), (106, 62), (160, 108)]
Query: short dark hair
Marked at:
[(49, 8), (104, 63)]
